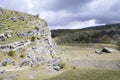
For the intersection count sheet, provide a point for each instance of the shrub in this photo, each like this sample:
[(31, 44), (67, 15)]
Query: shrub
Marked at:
[(11, 53), (37, 28), (33, 38), (22, 55), (4, 64), (74, 67), (62, 65)]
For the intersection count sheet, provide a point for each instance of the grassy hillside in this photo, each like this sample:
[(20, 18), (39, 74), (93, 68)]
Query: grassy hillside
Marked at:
[(14, 21), (87, 74), (98, 34)]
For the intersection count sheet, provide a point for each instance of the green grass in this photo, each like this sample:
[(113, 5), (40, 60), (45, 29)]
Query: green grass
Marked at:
[(73, 52), (87, 74), (85, 52)]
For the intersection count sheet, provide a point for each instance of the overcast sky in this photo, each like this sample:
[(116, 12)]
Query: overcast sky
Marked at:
[(70, 14)]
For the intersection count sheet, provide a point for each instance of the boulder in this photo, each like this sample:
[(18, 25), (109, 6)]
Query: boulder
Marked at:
[(108, 50), (2, 37), (8, 35), (56, 66), (13, 19), (2, 71), (98, 52)]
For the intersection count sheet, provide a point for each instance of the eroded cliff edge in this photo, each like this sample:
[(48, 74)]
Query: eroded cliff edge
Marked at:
[(25, 40)]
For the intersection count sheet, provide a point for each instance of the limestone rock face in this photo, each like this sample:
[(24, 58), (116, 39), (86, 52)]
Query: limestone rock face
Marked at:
[(29, 38)]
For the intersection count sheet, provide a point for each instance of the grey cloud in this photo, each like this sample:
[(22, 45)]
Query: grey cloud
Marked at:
[(62, 12)]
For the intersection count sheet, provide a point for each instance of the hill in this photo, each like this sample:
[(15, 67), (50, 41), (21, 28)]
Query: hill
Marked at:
[(109, 33), (24, 39)]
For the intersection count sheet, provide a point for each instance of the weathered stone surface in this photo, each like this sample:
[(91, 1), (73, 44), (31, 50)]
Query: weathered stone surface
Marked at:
[(2, 37), (6, 62), (14, 46), (8, 35), (98, 52), (2, 71), (108, 50), (13, 19), (40, 51), (56, 66), (21, 18)]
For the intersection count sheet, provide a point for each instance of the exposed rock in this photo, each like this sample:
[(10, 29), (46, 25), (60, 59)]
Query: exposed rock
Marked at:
[(57, 68), (2, 71), (14, 46), (8, 35), (13, 19), (2, 37), (2, 11), (1, 19), (40, 51), (108, 50), (98, 52), (21, 18), (6, 62), (25, 62)]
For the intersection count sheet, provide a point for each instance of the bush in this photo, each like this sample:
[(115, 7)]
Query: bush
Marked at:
[(33, 38), (37, 28), (74, 67), (4, 64), (11, 53), (22, 55), (62, 65)]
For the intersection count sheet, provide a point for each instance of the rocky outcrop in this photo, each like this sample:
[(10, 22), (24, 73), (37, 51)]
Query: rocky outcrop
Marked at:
[(24, 27), (2, 37), (14, 46), (106, 50)]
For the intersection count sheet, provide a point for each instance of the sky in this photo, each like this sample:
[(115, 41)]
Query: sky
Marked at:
[(69, 14)]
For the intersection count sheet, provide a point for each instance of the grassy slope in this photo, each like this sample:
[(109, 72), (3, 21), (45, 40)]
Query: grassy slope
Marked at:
[(79, 52), (101, 34), (88, 74), (17, 26)]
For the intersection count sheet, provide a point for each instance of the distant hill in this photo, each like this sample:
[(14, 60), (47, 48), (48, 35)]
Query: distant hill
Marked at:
[(109, 33)]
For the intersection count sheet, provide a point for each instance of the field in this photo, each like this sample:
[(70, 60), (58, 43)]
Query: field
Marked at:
[(81, 63)]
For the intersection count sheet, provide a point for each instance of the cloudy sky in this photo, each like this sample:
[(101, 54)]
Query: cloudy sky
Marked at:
[(70, 14)]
